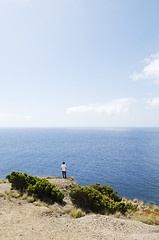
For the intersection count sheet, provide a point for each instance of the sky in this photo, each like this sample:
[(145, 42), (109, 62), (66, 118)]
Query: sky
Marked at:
[(79, 63)]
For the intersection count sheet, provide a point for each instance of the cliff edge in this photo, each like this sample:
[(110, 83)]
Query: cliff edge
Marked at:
[(22, 219)]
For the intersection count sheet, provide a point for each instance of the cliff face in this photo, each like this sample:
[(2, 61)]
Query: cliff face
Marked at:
[(22, 220)]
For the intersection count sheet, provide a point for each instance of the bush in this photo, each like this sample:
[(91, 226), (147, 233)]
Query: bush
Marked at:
[(132, 207), (18, 180), (38, 187), (77, 213), (107, 191), (45, 191), (87, 198), (97, 199)]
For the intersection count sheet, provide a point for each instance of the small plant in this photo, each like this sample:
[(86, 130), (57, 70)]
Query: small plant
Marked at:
[(68, 208), (2, 194), (8, 197), (37, 203), (155, 208), (6, 192), (132, 207), (47, 205), (3, 181), (30, 199), (16, 194), (77, 213), (24, 196), (117, 215)]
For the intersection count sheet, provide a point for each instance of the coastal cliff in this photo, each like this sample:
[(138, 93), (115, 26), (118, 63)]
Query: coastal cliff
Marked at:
[(23, 218)]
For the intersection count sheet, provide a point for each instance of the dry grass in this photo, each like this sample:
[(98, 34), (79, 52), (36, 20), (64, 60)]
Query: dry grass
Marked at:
[(3, 180), (149, 215), (16, 194), (77, 213), (38, 203), (69, 178), (146, 213), (30, 199)]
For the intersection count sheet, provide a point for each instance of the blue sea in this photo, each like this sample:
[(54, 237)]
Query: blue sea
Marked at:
[(127, 159)]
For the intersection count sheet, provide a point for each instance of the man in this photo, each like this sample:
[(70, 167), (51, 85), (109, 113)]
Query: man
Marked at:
[(63, 168)]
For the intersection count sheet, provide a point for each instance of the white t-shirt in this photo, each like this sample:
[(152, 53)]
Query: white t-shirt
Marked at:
[(63, 167)]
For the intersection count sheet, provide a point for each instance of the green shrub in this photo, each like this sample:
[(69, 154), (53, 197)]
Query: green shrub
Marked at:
[(38, 187), (97, 199), (87, 198), (107, 191), (131, 206), (18, 180), (45, 191)]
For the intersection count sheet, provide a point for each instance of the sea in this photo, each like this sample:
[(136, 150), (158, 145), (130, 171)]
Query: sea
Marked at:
[(127, 159)]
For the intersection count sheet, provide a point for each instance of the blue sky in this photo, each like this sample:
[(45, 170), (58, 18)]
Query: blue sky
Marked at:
[(79, 63)]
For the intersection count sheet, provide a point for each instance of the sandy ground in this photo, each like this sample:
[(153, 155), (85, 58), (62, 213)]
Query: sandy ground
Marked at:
[(28, 222)]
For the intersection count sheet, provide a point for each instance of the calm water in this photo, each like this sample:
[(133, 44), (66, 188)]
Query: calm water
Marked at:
[(124, 158)]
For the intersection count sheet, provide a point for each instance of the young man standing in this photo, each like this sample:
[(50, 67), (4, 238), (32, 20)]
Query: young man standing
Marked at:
[(63, 168)]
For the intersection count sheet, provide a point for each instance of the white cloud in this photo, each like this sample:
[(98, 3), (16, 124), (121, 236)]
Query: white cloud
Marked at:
[(114, 107), (153, 102), (150, 70)]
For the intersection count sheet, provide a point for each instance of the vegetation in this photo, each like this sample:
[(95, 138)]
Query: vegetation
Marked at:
[(95, 198), (77, 213), (107, 191), (99, 199), (37, 187), (149, 214), (3, 181)]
